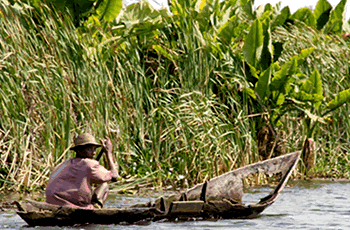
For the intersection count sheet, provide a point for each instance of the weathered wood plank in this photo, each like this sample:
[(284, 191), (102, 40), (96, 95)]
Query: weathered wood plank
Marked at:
[(186, 207), (230, 186)]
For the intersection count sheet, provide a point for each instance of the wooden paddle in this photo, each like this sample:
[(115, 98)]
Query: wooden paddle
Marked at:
[(99, 155)]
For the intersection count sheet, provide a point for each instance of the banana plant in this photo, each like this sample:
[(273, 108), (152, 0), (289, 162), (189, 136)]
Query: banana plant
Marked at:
[(336, 22), (311, 102), (283, 89), (324, 17)]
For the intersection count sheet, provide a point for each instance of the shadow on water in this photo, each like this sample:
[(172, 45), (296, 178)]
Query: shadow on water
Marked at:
[(308, 204)]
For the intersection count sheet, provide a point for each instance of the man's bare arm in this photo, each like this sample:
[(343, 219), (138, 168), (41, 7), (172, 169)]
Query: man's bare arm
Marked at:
[(107, 144)]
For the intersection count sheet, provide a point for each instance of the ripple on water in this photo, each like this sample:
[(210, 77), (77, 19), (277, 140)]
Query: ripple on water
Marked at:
[(11, 221)]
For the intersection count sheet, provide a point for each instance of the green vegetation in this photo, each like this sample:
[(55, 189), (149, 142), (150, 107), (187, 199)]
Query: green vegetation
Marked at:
[(208, 88)]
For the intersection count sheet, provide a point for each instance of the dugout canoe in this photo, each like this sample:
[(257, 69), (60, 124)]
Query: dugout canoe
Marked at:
[(220, 197)]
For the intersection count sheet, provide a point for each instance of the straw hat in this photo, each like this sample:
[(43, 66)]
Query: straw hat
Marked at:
[(84, 139)]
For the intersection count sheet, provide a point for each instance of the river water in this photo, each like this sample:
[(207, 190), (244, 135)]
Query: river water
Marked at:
[(303, 205)]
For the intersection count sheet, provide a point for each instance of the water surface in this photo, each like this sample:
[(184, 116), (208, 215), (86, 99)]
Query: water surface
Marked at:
[(305, 205)]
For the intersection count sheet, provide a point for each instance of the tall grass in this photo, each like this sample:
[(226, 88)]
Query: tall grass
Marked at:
[(49, 93), (176, 126), (169, 118), (55, 84)]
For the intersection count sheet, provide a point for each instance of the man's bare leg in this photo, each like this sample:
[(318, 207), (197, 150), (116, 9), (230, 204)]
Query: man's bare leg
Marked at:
[(100, 194)]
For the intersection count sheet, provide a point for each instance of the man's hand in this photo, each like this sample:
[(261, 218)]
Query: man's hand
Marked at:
[(107, 146)]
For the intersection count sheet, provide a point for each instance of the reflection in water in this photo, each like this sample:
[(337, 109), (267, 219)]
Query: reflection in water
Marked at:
[(305, 205)]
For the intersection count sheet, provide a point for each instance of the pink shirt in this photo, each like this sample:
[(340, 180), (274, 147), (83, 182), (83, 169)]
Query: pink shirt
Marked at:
[(70, 182)]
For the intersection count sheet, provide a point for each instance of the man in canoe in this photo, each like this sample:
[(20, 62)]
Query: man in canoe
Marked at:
[(70, 183)]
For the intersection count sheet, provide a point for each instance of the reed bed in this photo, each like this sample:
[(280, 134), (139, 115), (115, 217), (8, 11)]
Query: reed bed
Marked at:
[(48, 94), (54, 85), (170, 119)]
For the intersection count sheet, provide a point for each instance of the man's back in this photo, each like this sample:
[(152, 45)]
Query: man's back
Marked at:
[(70, 183)]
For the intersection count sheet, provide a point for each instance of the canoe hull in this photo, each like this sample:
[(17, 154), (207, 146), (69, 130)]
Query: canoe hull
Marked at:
[(208, 200), (86, 216)]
